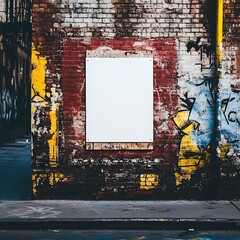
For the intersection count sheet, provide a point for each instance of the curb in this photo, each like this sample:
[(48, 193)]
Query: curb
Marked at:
[(119, 224)]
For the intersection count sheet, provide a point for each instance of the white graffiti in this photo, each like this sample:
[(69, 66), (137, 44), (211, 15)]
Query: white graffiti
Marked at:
[(8, 106), (36, 212)]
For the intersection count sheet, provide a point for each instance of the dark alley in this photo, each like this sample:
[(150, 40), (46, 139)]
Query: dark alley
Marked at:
[(15, 170)]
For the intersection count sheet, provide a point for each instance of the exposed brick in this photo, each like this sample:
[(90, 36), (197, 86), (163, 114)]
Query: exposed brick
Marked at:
[(181, 35)]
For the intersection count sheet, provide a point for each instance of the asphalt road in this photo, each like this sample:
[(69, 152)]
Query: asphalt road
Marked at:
[(118, 235), (15, 171)]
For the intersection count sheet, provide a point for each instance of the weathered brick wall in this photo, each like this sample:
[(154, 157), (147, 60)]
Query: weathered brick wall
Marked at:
[(229, 100), (180, 34)]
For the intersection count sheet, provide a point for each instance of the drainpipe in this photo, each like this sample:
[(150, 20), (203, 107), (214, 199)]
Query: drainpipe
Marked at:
[(216, 161), (219, 37)]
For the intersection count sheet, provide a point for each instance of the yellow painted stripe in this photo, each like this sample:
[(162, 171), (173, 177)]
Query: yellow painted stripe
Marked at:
[(38, 75), (53, 142), (219, 32)]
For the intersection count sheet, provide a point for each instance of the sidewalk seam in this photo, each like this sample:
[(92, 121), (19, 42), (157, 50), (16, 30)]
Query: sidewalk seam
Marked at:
[(235, 205)]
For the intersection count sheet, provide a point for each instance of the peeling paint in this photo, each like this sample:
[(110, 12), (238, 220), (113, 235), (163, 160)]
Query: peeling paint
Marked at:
[(55, 178), (190, 156), (148, 181), (40, 101), (196, 125), (53, 142), (38, 76)]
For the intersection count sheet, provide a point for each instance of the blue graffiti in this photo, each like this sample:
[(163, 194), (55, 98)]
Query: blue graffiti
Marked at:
[(230, 117), (201, 106)]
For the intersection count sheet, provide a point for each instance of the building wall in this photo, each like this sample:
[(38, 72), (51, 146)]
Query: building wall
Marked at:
[(229, 102), (180, 34), (15, 50)]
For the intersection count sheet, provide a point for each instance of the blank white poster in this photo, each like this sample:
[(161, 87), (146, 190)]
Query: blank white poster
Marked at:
[(119, 100)]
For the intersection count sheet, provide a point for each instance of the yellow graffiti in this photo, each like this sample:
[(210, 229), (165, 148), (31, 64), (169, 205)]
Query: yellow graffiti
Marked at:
[(148, 181), (53, 142), (34, 184), (37, 179), (225, 149), (38, 76), (57, 177), (38, 83), (39, 64), (38, 95), (190, 157), (51, 179), (181, 120)]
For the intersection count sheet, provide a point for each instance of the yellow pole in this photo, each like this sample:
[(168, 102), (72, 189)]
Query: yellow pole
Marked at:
[(219, 35), (216, 161)]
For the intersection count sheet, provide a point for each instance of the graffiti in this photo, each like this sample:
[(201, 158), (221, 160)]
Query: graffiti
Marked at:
[(148, 181), (195, 122), (204, 48), (230, 109), (187, 101), (200, 107), (36, 95), (8, 107), (45, 126), (206, 61), (230, 127), (38, 212), (14, 74), (38, 76)]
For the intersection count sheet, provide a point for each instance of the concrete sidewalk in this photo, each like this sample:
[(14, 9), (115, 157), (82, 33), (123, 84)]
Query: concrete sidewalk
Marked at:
[(142, 215)]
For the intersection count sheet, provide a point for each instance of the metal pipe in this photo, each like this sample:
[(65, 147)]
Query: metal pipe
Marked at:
[(216, 161), (219, 36)]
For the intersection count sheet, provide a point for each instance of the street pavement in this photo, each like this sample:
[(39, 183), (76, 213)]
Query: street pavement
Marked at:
[(118, 235), (15, 170), (18, 212), (128, 215)]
